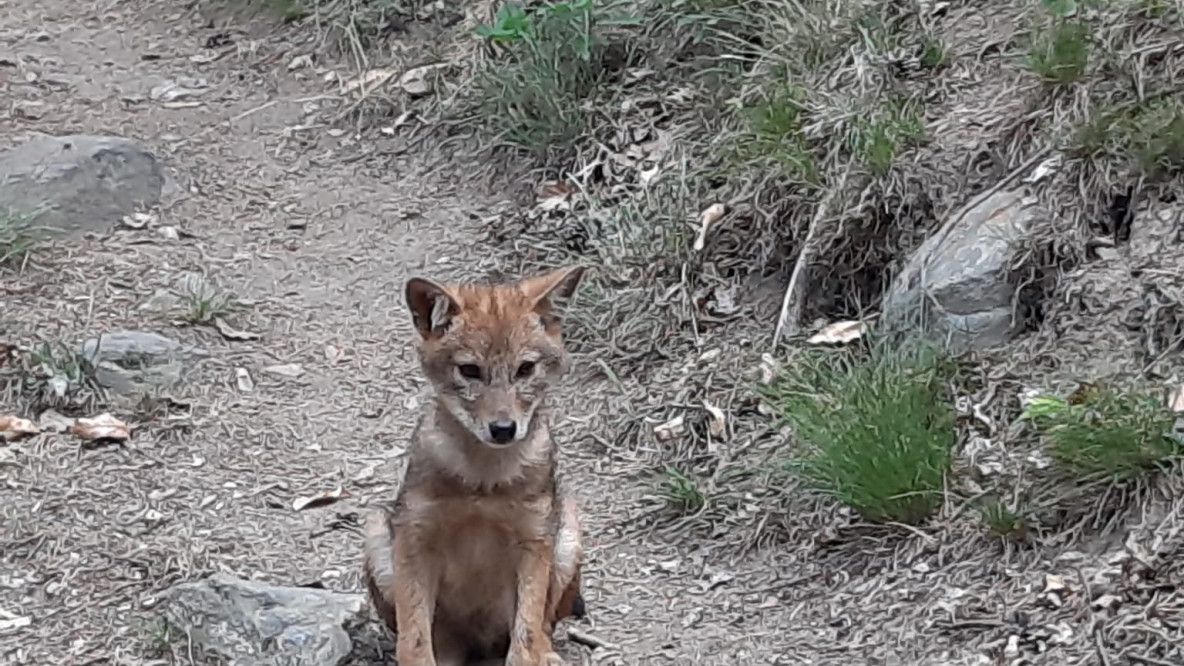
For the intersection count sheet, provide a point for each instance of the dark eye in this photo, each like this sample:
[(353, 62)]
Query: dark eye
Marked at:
[(526, 369), (469, 371)]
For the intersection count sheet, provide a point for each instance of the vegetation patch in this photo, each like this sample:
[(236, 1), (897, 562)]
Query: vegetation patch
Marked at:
[(16, 238), (1102, 433), (50, 375), (1148, 136), (681, 491), (552, 57), (1003, 521), (876, 430)]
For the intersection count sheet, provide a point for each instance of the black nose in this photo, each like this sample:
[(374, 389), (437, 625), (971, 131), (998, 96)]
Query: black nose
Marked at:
[(502, 431)]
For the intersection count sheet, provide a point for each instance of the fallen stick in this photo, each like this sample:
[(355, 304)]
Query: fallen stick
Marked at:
[(589, 640), (791, 302)]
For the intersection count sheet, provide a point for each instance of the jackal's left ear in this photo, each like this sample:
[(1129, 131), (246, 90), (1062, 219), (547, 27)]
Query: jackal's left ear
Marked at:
[(553, 290), (432, 307)]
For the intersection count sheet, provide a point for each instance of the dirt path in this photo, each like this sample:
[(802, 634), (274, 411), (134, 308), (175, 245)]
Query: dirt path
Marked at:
[(283, 217)]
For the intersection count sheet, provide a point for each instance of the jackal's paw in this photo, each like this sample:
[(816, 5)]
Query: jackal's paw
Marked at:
[(552, 659)]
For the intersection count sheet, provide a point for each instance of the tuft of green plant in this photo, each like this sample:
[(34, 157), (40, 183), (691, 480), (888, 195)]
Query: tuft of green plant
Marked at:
[(876, 427), (288, 10), (1060, 48), (202, 302), (16, 237), (934, 53), (1002, 521), (1156, 140), (1149, 135), (1155, 9), (553, 58), (772, 133), (877, 142), (160, 636), (681, 491), (1103, 433), (56, 374)]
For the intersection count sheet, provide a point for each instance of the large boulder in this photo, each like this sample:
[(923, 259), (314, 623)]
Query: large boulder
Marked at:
[(72, 184), (249, 623), (956, 286)]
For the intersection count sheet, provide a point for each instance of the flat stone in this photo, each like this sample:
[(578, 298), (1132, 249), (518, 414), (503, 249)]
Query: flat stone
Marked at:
[(956, 285), (72, 184), (137, 362), (249, 623)]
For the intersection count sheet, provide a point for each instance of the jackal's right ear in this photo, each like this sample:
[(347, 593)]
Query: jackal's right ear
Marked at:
[(432, 307)]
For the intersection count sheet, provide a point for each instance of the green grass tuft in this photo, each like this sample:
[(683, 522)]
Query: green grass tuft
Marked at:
[(772, 134), (1060, 52), (934, 53), (1103, 433), (880, 140), (203, 302), (16, 237), (553, 57), (1002, 521), (1148, 135), (681, 491), (877, 429)]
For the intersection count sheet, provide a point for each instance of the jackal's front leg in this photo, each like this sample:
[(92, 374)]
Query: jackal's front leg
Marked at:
[(414, 593), (530, 642)]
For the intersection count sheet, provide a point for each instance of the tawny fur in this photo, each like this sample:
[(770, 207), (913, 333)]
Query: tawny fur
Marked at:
[(479, 555)]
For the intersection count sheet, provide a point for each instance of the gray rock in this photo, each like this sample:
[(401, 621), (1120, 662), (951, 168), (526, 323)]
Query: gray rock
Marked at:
[(137, 362), (72, 184), (250, 623), (956, 284)]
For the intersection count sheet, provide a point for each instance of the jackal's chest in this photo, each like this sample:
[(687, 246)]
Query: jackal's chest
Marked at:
[(476, 548)]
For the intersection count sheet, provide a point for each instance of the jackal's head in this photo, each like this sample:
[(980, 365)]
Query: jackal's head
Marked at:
[(491, 352)]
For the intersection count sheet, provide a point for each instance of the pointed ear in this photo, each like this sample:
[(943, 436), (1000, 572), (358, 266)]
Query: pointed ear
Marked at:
[(553, 290), (432, 307)]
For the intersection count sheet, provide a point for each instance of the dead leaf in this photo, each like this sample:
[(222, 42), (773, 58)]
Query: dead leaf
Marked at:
[(230, 333), (839, 333), (181, 105), (11, 621), (54, 422), (553, 188), (768, 369), (366, 472), (13, 428), (300, 62), (138, 220), (172, 91), (418, 81), (243, 380), (1176, 401), (320, 499), (402, 120), (718, 425), (672, 429), (554, 195), (287, 370), (103, 427), (1107, 602), (1054, 583), (368, 80), (708, 217)]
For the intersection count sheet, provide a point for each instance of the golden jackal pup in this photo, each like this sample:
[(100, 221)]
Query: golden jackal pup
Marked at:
[(479, 555)]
